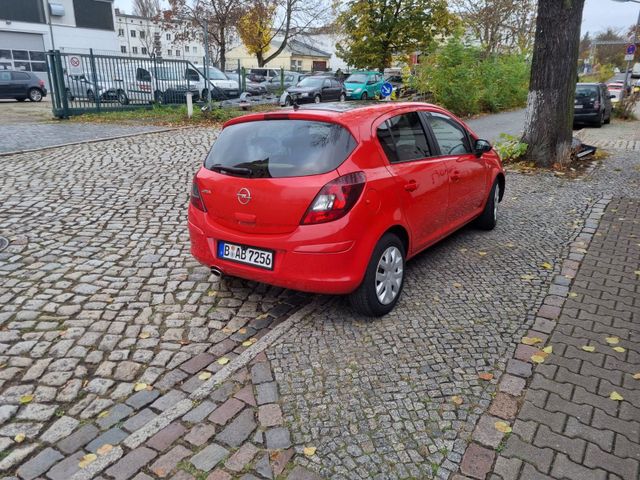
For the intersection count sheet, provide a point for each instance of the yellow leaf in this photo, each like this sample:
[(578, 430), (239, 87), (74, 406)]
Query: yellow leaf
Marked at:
[(247, 343), (573, 294), (637, 272), (531, 340), (510, 245), (309, 451), (2, 365), (144, 335), (482, 254), (457, 285), (548, 349), (619, 349), (26, 398), (485, 376), (103, 414), (547, 266), (612, 340), (212, 293), (527, 277), (204, 376), (87, 459), (227, 330), (223, 360), (616, 396), (537, 358), (242, 330), (139, 386), (456, 399), (503, 427), (636, 376), (261, 316), (104, 449), (19, 438), (588, 348)]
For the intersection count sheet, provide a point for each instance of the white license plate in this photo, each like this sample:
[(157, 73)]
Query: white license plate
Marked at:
[(578, 107), (248, 255)]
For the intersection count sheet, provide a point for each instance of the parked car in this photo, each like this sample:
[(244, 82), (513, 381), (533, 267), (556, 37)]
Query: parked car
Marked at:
[(335, 198), (224, 87), (592, 104), (156, 83), (291, 79), (615, 91), (83, 86), (21, 85), (253, 88), (635, 72), (363, 85), (265, 73), (314, 89)]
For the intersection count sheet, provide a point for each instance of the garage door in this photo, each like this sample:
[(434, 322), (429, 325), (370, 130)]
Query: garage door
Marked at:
[(23, 51)]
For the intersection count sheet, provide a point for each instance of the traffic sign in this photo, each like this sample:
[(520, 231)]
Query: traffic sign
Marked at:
[(75, 65), (386, 89), (629, 57), (631, 49)]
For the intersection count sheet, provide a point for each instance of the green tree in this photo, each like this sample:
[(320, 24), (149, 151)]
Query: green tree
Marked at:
[(376, 31)]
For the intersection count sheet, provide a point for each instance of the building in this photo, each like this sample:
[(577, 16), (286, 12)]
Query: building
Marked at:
[(28, 28), (298, 55), (143, 37)]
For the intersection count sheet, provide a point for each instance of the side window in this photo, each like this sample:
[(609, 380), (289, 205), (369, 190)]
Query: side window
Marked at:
[(335, 84), (326, 83), (19, 76), (142, 75), (403, 139), (5, 76), (451, 137)]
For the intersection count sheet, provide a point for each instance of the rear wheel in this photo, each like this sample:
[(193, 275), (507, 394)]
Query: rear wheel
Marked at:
[(90, 96), (122, 98), (158, 96), (600, 121), (608, 120), (383, 280), (364, 96), (35, 95), (317, 99), (489, 216), (287, 101)]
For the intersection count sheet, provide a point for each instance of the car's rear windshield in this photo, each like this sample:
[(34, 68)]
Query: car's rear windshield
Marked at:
[(586, 91), (280, 148)]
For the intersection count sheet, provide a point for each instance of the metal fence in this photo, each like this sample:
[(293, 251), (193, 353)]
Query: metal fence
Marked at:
[(84, 82)]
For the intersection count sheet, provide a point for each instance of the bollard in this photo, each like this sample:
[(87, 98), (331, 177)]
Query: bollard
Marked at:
[(189, 104)]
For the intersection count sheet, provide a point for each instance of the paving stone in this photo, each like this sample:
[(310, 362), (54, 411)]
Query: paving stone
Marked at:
[(246, 395), (139, 420), (165, 437), (624, 467), (168, 400), (115, 415), (209, 457), (565, 468), (62, 428), (277, 438), (270, 415), (239, 429), (200, 434), (573, 447), (39, 464), (200, 412), (78, 439), (477, 461), (261, 373), (504, 406), (197, 363), (280, 459), (241, 458), (519, 368), (226, 411), (540, 458), (263, 467), (142, 398), (511, 385), (485, 432), (507, 468), (267, 393), (219, 475), (112, 437), (65, 469), (168, 462), (131, 463)]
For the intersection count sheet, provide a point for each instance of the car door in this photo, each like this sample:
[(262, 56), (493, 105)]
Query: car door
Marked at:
[(6, 85), (328, 93), (20, 83), (421, 176), (466, 172)]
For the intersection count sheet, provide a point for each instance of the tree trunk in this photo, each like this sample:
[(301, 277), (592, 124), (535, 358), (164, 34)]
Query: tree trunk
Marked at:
[(223, 49), (549, 117), (260, 59)]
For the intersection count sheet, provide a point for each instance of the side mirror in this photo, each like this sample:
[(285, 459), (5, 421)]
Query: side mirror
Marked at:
[(481, 146)]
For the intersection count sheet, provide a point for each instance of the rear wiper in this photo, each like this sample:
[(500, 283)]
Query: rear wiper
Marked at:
[(245, 172)]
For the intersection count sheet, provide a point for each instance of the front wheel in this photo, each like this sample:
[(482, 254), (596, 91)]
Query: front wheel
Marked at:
[(383, 280), (35, 95), (364, 96), (317, 99), (600, 121), (91, 96), (287, 101), (488, 219)]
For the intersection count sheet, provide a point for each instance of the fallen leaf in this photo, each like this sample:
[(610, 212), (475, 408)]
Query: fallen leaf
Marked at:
[(212, 293), (227, 330), (637, 272), (548, 349), (531, 340), (457, 285), (527, 277), (104, 449), (144, 335), (612, 340), (636, 376), (309, 451), (26, 398), (588, 348), (573, 294), (485, 376), (616, 396), (456, 399), (87, 459), (581, 250), (19, 438), (223, 360), (247, 343), (510, 245), (537, 358), (261, 316), (547, 266), (204, 376), (619, 349), (2, 365), (503, 427), (482, 254), (103, 414), (242, 330), (139, 386)]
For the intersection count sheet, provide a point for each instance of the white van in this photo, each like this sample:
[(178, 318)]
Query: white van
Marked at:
[(635, 73), (228, 88), (145, 82)]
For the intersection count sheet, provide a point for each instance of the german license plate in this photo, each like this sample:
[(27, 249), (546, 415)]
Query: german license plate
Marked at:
[(578, 107), (248, 255)]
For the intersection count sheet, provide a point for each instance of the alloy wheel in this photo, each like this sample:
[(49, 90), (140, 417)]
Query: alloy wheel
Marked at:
[(389, 274)]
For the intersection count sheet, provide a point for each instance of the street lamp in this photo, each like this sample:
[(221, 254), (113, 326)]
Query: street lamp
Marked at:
[(634, 41)]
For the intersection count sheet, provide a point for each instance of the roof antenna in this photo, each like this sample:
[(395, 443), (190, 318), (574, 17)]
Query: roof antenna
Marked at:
[(296, 107)]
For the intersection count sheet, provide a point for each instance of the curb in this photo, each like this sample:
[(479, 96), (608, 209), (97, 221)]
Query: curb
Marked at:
[(480, 455)]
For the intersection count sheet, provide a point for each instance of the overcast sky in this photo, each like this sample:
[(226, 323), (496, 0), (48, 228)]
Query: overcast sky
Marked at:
[(598, 14)]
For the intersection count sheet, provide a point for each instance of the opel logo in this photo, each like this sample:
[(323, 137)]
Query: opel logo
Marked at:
[(244, 196)]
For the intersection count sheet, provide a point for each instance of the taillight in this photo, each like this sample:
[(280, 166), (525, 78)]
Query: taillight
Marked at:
[(196, 198), (335, 199), (596, 104)]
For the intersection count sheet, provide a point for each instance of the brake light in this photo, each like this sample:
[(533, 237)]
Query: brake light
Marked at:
[(335, 199), (196, 198)]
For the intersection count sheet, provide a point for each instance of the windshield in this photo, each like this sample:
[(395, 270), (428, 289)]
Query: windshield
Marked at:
[(166, 73), (215, 74), (280, 148), (586, 91), (357, 78), (310, 82)]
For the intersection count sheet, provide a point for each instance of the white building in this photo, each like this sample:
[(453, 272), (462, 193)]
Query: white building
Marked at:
[(142, 37)]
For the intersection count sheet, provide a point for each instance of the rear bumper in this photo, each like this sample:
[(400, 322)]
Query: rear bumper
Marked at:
[(328, 264), (586, 116)]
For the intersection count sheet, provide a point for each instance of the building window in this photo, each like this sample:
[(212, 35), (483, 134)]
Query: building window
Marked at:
[(121, 32), (195, 49), (123, 48), (168, 36), (133, 34), (144, 50), (168, 53), (186, 49), (31, 11), (177, 53), (142, 34), (93, 14), (134, 50)]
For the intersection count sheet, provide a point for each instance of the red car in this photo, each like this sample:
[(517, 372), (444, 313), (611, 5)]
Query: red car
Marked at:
[(334, 198)]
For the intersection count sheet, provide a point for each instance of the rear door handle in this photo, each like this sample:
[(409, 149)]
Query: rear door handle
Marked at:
[(412, 186)]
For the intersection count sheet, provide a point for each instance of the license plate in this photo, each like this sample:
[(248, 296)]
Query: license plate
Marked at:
[(578, 107), (247, 255)]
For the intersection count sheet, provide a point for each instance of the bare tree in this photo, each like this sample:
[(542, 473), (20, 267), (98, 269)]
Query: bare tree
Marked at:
[(146, 8), (549, 117)]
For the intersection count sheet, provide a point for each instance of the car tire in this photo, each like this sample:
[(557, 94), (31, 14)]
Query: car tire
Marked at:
[(488, 219), (342, 98), (364, 96), (317, 99), (70, 97), (90, 96), (600, 121), (386, 266), (204, 94), (35, 95), (158, 97), (122, 97), (608, 120)]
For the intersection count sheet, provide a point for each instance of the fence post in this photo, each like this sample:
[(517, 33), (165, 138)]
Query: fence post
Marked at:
[(281, 78), (243, 77), (240, 87), (155, 77), (94, 79), (59, 84)]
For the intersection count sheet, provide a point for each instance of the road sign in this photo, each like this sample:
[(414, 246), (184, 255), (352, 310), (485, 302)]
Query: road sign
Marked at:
[(631, 49), (386, 89), (75, 65), (629, 57)]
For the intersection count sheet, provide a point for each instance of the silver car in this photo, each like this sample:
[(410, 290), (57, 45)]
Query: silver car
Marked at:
[(83, 86)]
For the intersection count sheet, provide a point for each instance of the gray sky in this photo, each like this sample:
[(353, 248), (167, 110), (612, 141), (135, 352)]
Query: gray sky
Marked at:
[(598, 14)]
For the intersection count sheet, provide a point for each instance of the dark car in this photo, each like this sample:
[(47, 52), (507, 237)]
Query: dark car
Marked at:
[(291, 79), (252, 88), (21, 85), (592, 104), (314, 89)]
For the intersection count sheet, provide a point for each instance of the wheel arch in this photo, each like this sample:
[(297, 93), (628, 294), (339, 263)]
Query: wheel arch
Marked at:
[(400, 232)]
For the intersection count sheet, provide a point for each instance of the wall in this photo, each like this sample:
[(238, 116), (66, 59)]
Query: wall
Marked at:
[(249, 61)]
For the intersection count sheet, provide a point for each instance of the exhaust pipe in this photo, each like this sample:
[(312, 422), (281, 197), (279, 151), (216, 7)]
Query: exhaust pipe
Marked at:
[(216, 272)]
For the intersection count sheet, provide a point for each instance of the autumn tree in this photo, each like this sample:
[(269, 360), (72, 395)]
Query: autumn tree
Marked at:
[(256, 29), (608, 53), (375, 31), (549, 116), (146, 8)]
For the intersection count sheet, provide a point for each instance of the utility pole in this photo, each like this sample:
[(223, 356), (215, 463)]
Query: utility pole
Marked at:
[(205, 35)]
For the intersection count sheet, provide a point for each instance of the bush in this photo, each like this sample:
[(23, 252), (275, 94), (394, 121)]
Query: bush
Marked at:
[(510, 148), (466, 81)]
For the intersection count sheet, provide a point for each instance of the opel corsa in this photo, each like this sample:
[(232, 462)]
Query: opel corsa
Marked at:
[(335, 198)]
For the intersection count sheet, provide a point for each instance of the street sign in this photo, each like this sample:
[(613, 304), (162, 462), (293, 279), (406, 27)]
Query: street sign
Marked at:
[(629, 57), (631, 49), (75, 65), (386, 89)]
